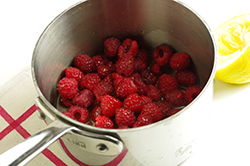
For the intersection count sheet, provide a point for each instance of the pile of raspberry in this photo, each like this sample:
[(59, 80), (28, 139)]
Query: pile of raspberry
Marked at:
[(126, 87)]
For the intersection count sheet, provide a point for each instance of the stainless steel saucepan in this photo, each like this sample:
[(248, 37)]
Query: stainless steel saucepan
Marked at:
[(82, 29)]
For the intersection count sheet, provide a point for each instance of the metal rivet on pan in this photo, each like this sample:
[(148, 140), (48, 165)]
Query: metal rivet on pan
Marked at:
[(102, 148)]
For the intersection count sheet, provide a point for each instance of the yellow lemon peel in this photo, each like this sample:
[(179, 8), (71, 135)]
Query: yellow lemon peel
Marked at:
[(233, 42)]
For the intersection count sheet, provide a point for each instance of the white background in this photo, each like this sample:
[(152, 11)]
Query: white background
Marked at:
[(227, 141)]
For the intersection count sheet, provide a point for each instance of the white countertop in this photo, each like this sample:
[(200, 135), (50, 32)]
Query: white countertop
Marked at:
[(227, 140)]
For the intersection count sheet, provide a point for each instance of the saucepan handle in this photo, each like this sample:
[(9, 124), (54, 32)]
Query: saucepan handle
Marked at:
[(29, 148), (97, 143)]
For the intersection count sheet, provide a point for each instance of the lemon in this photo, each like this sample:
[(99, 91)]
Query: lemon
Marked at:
[(233, 42)]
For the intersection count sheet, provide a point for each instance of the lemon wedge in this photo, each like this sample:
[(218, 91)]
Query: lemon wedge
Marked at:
[(233, 42)]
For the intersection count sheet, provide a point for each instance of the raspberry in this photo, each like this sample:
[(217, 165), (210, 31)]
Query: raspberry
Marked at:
[(97, 111), (117, 78), (191, 93), (186, 78), (90, 80), (145, 99), (109, 79), (128, 47), (79, 113), (152, 110), (179, 61), (125, 87), (167, 83), (175, 97), (162, 54), (104, 122), (123, 127), (155, 68), (136, 76), (172, 112), (144, 56), (103, 71), (148, 77), (72, 72), (111, 46), (143, 120), (142, 88), (109, 105), (154, 93), (139, 65), (102, 89), (125, 65), (133, 102), (67, 87), (83, 98), (105, 59), (165, 107), (84, 63), (97, 60), (68, 114), (124, 117), (66, 102), (81, 84), (111, 65), (95, 103)]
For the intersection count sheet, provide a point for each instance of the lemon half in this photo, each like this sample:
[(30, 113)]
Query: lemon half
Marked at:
[(233, 42)]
